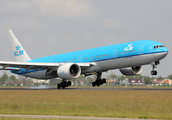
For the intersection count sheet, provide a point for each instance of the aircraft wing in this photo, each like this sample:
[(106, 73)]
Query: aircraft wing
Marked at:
[(12, 65)]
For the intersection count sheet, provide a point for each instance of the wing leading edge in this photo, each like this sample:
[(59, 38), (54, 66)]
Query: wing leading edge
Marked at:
[(12, 65)]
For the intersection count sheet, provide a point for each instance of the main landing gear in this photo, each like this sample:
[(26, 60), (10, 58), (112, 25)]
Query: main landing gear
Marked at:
[(64, 84), (154, 72), (99, 81)]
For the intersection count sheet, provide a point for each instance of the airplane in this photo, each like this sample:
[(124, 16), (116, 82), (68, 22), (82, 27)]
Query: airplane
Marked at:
[(128, 57)]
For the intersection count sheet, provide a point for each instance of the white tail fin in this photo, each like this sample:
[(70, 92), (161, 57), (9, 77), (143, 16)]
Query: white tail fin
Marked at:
[(18, 51)]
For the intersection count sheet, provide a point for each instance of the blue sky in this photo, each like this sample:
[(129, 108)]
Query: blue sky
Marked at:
[(48, 27)]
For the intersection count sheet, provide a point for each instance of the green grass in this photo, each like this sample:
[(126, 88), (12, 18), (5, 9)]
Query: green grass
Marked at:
[(20, 118), (98, 103)]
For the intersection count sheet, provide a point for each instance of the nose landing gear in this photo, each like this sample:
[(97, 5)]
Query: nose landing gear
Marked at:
[(154, 72), (99, 81)]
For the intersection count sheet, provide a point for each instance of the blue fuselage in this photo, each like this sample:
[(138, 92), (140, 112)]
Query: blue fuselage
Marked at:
[(129, 49)]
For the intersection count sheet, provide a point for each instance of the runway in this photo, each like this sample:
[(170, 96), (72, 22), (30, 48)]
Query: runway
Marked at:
[(80, 88), (68, 117)]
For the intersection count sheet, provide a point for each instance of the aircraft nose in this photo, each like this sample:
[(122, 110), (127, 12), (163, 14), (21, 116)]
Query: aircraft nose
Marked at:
[(165, 52), (162, 54)]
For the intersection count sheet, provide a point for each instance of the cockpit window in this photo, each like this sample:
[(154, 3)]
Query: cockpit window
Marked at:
[(159, 46)]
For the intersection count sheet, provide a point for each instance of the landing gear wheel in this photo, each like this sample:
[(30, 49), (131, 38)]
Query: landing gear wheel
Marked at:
[(58, 86), (69, 83), (98, 84), (93, 84), (104, 80), (99, 81), (64, 84), (153, 72)]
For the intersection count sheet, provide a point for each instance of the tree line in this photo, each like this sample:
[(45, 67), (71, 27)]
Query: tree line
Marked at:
[(146, 79), (88, 80), (11, 80), (5, 77)]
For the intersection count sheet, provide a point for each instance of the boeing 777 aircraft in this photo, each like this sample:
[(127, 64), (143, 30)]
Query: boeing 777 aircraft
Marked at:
[(127, 57)]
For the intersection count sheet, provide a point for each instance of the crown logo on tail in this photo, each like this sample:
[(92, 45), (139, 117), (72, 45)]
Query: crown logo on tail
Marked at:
[(18, 47)]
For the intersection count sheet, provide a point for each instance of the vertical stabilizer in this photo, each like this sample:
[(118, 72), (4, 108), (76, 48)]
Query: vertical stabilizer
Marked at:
[(18, 51)]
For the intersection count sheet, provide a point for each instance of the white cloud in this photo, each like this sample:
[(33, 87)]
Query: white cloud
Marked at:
[(20, 14), (63, 38), (26, 24), (112, 24), (21, 24), (88, 36), (67, 8), (19, 6)]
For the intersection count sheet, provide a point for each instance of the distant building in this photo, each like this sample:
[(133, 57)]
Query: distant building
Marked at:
[(157, 82), (135, 81), (110, 82), (126, 82), (166, 82), (40, 82)]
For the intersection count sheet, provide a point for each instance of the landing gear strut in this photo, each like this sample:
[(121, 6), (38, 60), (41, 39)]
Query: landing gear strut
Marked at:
[(99, 81), (154, 72), (63, 84)]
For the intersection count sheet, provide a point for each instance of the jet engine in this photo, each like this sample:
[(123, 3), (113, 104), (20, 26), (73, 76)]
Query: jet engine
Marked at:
[(130, 71), (69, 71)]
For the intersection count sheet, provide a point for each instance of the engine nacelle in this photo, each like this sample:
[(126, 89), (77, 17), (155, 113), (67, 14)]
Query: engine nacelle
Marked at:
[(131, 70), (69, 71)]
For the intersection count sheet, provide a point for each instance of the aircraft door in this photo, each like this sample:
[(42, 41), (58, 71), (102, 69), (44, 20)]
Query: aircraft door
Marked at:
[(115, 54), (141, 49), (79, 59)]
